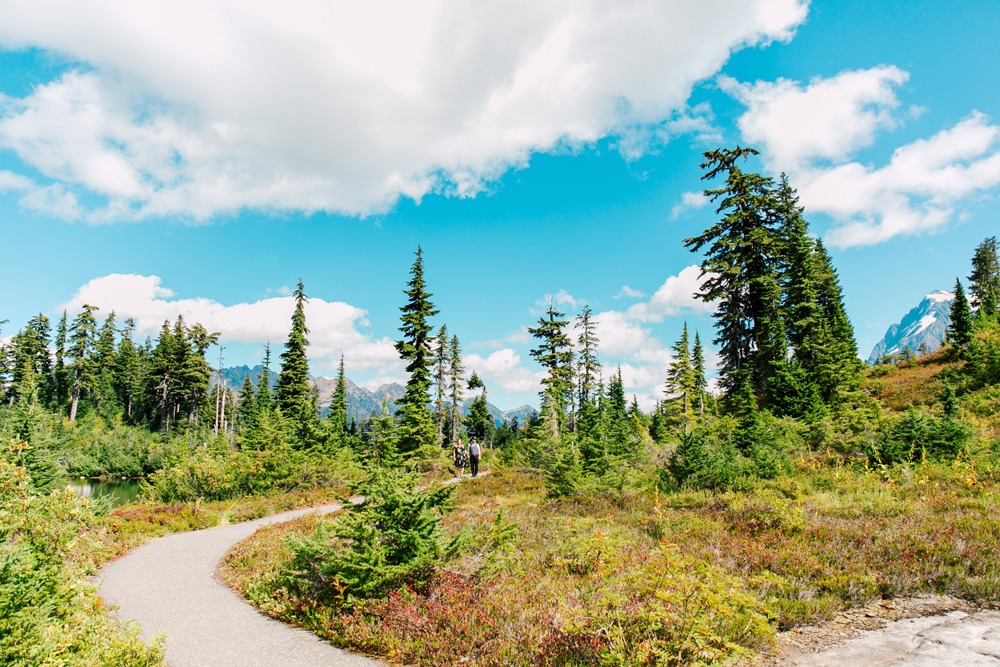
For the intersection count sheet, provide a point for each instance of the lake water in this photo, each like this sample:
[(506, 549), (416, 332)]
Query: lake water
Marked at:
[(122, 491)]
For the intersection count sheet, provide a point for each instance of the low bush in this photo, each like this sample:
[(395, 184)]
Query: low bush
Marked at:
[(49, 615), (915, 436), (209, 475), (390, 540)]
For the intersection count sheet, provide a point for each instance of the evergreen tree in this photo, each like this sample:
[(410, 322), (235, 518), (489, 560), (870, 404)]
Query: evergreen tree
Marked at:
[(163, 375), (805, 320), (698, 374), (442, 357), (27, 452), (960, 328), (984, 282), (293, 393), (82, 341), (338, 404), (264, 382), (987, 311), (618, 426), (841, 370), (555, 354), (60, 376), (455, 372), (481, 424), (195, 373), (247, 403), (29, 349), (680, 377), (416, 428), (105, 361), (740, 268), (588, 365), (384, 439), (128, 370)]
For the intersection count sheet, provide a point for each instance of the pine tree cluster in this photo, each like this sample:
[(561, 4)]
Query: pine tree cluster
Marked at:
[(781, 324)]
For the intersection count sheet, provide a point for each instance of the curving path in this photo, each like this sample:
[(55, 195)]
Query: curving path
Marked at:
[(169, 585)]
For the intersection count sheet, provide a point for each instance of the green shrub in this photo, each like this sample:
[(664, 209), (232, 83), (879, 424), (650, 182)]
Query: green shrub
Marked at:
[(914, 437), (208, 475), (49, 615), (392, 539)]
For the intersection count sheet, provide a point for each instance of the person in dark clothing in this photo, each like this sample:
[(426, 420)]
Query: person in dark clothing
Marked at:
[(475, 451)]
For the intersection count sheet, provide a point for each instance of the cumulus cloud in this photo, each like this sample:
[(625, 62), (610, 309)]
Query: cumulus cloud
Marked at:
[(334, 326), (504, 368), (690, 201), (675, 296), (812, 131), (196, 108), (829, 118), (627, 340)]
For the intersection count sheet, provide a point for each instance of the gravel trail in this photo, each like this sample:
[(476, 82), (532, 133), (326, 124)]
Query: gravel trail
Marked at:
[(169, 585)]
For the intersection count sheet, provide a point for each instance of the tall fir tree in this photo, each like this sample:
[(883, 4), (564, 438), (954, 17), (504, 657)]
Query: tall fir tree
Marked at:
[(293, 393), (618, 426), (680, 377), (128, 371), (481, 425), (588, 369), (29, 349), (698, 374), (337, 416), (555, 354), (843, 370), (82, 335), (60, 375), (805, 320), (960, 328), (740, 271), (455, 371), (984, 281), (442, 357), (416, 427), (163, 375), (264, 382), (588, 366), (105, 361), (246, 406), (195, 373)]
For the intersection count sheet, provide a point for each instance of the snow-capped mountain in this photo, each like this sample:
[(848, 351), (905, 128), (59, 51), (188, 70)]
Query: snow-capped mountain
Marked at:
[(925, 325)]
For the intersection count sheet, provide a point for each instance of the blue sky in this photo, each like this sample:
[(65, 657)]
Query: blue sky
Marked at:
[(198, 159)]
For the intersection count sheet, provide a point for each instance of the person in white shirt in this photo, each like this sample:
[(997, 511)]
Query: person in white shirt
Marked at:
[(475, 451)]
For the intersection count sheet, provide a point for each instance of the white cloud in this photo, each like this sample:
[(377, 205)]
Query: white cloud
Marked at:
[(917, 191), (630, 293), (52, 200), (334, 326), (504, 368), (674, 297), (196, 108), (829, 118), (812, 131), (690, 201), (626, 339)]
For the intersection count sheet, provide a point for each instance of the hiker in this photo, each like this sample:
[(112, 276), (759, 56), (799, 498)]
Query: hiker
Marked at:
[(459, 456), (474, 453)]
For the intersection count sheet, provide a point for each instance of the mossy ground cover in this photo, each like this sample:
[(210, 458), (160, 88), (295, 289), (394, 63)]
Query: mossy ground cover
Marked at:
[(694, 577)]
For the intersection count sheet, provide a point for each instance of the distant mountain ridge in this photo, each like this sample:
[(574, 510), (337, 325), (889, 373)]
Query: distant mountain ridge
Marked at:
[(926, 324), (361, 402)]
